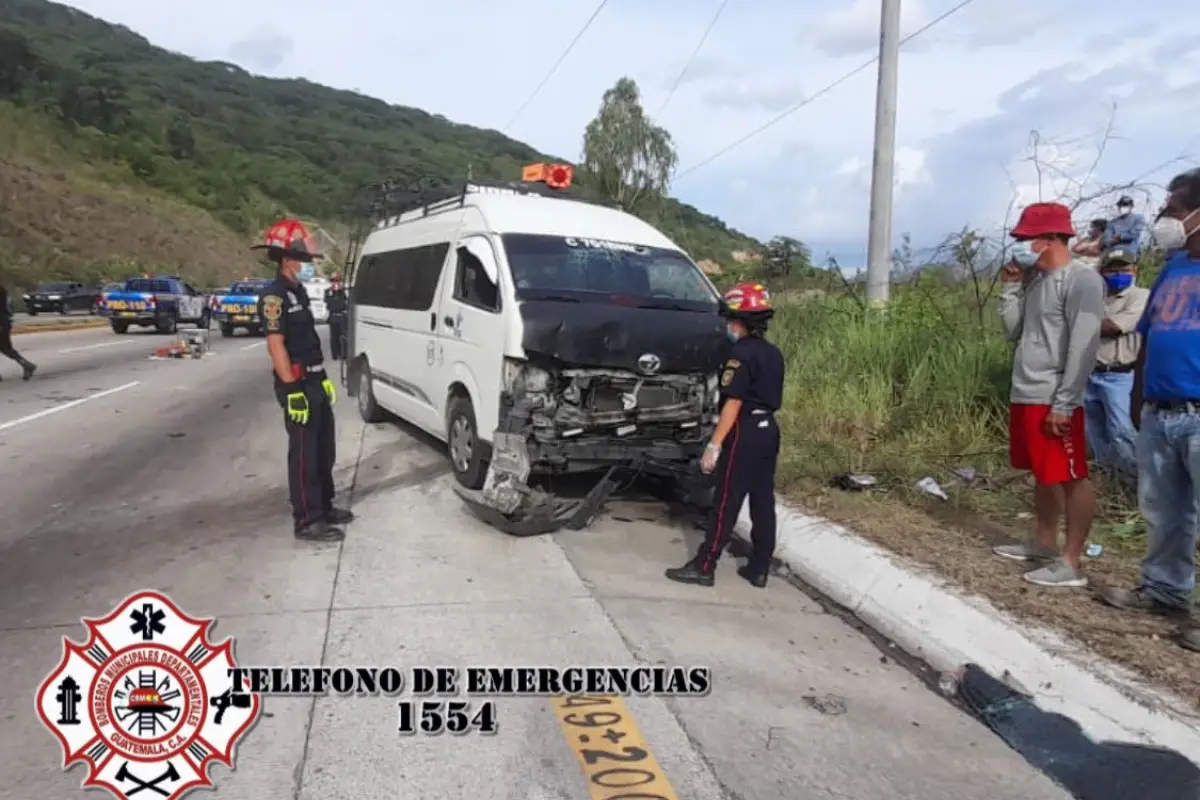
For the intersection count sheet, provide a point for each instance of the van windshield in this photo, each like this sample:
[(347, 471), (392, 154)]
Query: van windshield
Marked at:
[(593, 270)]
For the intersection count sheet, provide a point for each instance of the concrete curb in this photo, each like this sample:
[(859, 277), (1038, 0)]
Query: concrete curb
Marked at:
[(60, 326), (934, 621)]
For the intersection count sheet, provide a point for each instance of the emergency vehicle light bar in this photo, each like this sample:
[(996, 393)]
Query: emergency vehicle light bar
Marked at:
[(556, 176)]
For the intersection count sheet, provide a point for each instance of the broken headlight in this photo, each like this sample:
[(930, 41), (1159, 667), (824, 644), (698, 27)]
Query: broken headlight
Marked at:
[(534, 379)]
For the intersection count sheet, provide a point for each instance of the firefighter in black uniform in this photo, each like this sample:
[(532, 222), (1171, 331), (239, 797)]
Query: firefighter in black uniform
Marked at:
[(744, 447), (6, 345), (301, 386), (335, 301)]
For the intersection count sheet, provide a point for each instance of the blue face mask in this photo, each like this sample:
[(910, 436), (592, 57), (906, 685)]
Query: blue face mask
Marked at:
[(1022, 254), (308, 271), (730, 335), (1118, 282)]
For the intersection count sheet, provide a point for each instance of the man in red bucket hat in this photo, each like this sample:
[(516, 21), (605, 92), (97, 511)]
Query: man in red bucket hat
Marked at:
[(1052, 307)]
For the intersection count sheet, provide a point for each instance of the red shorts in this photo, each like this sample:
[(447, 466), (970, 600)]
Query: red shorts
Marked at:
[(1051, 459)]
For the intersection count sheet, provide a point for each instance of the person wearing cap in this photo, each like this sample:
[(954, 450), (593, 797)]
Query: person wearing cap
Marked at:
[(1052, 307), (335, 301), (1127, 229), (302, 387), (744, 448), (1166, 409), (1110, 431)]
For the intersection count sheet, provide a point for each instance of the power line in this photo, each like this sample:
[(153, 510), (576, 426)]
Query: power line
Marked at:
[(826, 90), (557, 64), (687, 65)]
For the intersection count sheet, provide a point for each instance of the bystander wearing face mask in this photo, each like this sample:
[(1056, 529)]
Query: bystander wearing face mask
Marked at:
[(1023, 254), (1171, 233)]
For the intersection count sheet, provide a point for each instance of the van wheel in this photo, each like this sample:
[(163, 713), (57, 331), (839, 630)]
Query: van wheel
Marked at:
[(120, 327), (368, 409), (226, 330), (462, 439)]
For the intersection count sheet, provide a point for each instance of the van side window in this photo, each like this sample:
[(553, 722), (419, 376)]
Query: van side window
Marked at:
[(405, 280), (472, 284)]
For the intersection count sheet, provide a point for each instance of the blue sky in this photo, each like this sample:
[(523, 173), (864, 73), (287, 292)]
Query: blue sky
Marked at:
[(971, 91)]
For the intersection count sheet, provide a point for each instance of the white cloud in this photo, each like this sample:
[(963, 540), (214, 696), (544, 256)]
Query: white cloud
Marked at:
[(971, 89)]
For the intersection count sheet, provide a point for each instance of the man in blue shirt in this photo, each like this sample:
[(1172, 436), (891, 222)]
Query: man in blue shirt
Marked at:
[(1127, 229), (1166, 407)]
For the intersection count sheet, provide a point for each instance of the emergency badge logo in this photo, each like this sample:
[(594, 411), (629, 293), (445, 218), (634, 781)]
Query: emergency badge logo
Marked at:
[(146, 701)]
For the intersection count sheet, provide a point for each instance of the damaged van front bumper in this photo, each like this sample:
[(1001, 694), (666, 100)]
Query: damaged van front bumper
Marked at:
[(558, 419)]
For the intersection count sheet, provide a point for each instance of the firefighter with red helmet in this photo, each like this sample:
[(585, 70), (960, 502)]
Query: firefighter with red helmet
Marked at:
[(335, 301), (744, 447), (303, 388)]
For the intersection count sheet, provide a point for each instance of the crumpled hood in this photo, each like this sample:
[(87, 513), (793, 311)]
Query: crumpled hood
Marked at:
[(604, 335)]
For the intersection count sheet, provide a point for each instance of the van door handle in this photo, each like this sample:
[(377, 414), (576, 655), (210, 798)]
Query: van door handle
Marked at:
[(448, 321), (433, 320)]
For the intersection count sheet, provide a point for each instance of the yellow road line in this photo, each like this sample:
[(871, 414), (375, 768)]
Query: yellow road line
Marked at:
[(59, 326), (614, 756)]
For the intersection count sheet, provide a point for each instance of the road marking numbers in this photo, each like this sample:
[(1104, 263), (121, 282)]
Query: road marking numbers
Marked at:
[(72, 404), (94, 346), (610, 748)]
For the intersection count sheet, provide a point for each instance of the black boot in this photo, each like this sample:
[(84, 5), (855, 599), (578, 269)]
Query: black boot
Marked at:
[(756, 578), (319, 531), (693, 572), (28, 368), (339, 516)]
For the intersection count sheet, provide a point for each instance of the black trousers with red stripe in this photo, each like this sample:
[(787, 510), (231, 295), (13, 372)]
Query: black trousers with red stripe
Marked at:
[(311, 453), (746, 469)]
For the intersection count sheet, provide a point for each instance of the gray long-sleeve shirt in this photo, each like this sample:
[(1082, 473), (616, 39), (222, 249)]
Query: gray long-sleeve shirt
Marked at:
[(1054, 317)]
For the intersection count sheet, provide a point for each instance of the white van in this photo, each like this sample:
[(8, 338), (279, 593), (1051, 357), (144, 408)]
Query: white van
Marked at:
[(533, 332)]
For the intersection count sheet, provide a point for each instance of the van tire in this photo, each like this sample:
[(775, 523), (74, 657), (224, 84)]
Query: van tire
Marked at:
[(368, 409), (226, 330), (120, 327), (462, 441)]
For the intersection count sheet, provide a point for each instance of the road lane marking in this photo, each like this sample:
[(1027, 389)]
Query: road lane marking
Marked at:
[(253, 345), (610, 748), (94, 346), (48, 411)]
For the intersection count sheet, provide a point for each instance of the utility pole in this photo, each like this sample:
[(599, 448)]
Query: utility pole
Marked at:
[(883, 173)]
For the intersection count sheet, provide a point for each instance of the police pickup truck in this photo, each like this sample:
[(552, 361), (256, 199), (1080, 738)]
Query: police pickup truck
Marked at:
[(238, 308), (159, 303)]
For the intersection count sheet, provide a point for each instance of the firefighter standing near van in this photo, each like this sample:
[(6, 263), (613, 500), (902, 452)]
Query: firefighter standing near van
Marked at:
[(302, 387), (335, 301), (744, 448)]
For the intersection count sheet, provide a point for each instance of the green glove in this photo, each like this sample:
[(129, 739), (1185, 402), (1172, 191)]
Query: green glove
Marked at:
[(330, 391), (297, 408)]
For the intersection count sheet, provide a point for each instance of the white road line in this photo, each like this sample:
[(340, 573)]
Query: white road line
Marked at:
[(94, 346), (48, 411), (252, 346)]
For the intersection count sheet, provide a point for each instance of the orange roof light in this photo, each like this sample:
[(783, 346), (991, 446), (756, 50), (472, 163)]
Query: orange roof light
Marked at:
[(556, 176)]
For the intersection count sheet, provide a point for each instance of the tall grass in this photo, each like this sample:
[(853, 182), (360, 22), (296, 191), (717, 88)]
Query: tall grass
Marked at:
[(913, 391)]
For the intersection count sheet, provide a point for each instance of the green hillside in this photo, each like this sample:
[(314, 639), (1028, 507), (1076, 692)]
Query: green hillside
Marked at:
[(222, 141)]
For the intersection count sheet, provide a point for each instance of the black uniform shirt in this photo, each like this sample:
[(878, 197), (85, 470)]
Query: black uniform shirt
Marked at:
[(5, 308), (284, 308), (753, 374), (336, 300)]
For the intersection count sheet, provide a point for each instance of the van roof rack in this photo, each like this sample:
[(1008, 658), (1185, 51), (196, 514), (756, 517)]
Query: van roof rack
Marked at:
[(389, 200)]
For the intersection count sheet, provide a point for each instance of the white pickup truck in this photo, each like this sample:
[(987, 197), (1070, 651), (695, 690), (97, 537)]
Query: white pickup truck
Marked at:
[(316, 296)]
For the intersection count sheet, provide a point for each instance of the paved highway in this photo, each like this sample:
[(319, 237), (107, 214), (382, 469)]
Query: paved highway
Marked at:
[(121, 473)]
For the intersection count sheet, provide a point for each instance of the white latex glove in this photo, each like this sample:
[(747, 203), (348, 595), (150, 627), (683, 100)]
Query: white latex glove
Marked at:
[(708, 461)]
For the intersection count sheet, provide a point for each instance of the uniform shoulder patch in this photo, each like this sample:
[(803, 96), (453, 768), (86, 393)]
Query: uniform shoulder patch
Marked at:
[(272, 306)]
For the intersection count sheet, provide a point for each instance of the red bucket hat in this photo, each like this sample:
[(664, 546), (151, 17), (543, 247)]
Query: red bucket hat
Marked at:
[(1044, 219)]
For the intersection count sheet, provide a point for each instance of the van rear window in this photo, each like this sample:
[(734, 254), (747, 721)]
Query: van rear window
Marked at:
[(593, 270)]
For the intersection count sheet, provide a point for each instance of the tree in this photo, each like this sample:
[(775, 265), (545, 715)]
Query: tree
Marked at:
[(626, 157), (785, 256)]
